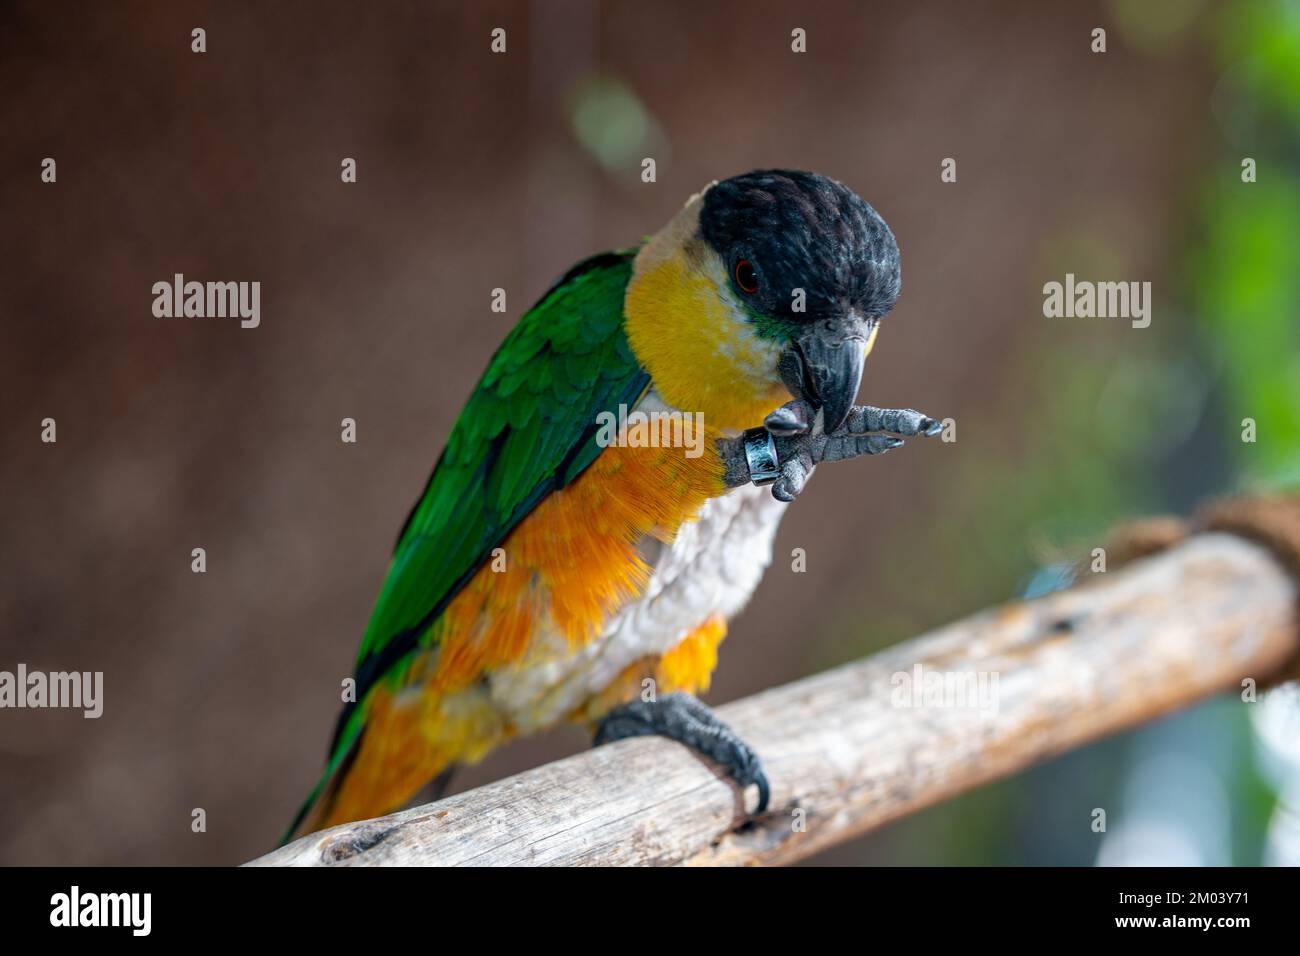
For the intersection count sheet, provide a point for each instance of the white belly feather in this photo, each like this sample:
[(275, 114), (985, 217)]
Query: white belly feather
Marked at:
[(712, 567)]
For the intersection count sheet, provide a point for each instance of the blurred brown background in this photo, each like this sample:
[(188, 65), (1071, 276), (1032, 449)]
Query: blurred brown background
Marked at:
[(475, 171)]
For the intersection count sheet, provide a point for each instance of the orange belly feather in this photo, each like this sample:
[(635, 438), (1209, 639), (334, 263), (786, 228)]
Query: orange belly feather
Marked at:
[(571, 564)]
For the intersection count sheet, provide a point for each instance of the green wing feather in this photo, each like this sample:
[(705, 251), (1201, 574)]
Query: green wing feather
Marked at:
[(528, 429)]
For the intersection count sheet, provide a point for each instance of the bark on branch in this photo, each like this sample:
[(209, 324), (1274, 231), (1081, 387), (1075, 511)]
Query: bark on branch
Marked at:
[(844, 748)]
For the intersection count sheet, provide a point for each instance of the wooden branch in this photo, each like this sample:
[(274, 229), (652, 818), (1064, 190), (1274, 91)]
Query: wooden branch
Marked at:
[(846, 751)]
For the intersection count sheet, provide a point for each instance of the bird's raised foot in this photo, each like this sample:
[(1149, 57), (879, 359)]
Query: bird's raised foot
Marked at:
[(685, 719), (801, 445)]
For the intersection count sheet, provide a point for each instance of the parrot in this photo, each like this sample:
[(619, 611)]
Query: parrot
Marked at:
[(556, 571)]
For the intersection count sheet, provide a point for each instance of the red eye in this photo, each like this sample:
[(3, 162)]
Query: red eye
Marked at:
[(746, 278)]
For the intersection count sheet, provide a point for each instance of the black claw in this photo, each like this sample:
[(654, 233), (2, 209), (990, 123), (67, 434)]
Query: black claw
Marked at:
[(764, 791), (890, 444), (786, 421)]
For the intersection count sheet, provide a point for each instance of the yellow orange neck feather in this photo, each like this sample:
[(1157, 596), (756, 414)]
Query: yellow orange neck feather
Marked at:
[(692, 336)]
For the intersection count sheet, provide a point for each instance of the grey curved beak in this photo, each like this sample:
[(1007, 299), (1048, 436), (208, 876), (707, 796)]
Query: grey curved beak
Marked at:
[(828, 370)]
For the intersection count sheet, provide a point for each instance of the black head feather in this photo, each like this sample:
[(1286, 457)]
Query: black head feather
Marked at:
[(801, 230)]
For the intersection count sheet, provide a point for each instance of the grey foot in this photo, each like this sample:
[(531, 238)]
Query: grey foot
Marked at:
[(682, 718), (867, 430)]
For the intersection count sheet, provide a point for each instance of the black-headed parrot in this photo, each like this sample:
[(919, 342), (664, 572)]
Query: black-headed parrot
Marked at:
[(600, 510)]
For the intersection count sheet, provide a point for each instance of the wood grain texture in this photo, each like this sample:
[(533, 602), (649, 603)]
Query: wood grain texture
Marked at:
[(843, 748)]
